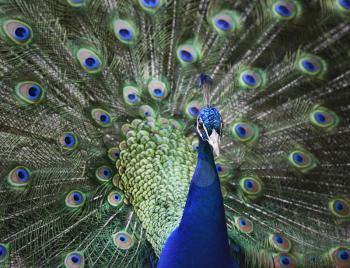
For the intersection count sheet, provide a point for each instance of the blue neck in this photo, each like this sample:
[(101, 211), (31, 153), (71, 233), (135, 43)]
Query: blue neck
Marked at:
[(205, 173), (204, 201), (201, 239)]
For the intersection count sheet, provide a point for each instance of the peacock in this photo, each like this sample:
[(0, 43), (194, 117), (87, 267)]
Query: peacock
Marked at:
[(184, 133)]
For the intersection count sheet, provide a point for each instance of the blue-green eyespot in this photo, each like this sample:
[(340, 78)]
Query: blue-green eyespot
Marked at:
[(311, 65), (158, 89), (89, 60), (252, 78), (131, 95), (125, 31), (302, 160), (115, 198), (323, 118), (188, 53), (20, 176), (16, 31), (101, 117), (251, 186), (244, 225), (30, 93), (123, 240), (339, 207), (68, 141), (244, 132), (225, 21), (75, 199), (286, 10), (74, 259)]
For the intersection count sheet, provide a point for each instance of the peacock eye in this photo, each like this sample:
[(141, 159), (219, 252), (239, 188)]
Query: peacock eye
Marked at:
[(192, 109), (115, 198), (223, 168), (244, 225), (30, 92), (323, 118), (225, 22), (285, 10), (17, 32), (123, 240), (244, 132), (188, 53), (68, 140), (302, 160), (340, 207), (251, 187), (311, 65), (158, 89), (19, 176), (114, 154), (75, 199), (74, 260), (280, 242), (89, 61), (344, 5), (104, 173), (101, 117), (146, 111), (341, 256), (251, 79), (151, 6), (284, 260), (131, 95), (125, 31)]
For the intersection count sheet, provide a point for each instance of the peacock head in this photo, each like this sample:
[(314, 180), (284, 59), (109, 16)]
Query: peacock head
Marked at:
[(209, 127)]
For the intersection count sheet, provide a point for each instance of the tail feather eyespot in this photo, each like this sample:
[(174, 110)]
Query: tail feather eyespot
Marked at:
[(89, 60), (19, 176), (75, 199), (74, 260), (125, 31), (30, 93), (17, 32), (123, 240)]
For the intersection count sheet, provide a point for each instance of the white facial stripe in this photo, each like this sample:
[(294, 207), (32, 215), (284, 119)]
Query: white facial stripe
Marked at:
[(214, 141)]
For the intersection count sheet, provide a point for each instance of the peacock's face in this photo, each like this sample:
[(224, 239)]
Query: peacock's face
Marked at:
[(209, 127)]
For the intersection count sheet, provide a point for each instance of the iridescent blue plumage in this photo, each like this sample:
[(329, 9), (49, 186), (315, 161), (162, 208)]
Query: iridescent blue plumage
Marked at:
[(209, 127), (201, 239), (211, 119)]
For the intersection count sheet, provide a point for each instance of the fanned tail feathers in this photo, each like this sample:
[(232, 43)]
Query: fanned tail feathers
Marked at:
[(97, 107)]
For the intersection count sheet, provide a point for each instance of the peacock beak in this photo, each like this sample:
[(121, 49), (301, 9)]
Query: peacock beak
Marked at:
[(214, 141)]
